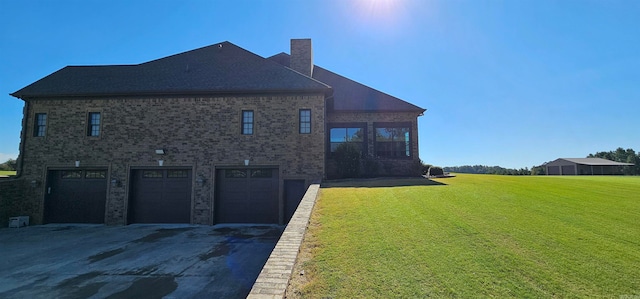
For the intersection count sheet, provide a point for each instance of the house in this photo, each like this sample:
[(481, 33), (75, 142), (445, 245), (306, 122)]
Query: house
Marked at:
[(584, 166), (212, 135)]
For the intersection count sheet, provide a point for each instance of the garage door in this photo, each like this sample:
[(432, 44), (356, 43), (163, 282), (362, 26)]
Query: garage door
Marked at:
[(554, 170), (247, 195), (160, 196), (76, 196), (568, 170)]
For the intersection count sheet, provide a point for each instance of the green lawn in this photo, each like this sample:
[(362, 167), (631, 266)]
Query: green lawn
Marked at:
[(476, 236), (7, 173)]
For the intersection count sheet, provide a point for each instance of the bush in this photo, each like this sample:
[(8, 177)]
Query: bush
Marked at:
[(424, 168), (370, 166), (435, 170), (348, 159)]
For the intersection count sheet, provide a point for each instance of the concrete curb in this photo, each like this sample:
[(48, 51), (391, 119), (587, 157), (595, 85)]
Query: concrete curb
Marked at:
[(276, 273)]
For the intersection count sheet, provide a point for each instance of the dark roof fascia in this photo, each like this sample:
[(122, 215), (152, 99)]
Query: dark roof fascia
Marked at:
[(326, 91), (378, 111)]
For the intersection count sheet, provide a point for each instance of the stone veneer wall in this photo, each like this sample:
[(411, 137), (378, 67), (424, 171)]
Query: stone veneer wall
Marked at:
[(200, 133), (387, 167), (12, 197)]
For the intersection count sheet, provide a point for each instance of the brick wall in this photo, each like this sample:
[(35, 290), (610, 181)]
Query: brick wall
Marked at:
[(12, 199), (386, 166), (201, 133)]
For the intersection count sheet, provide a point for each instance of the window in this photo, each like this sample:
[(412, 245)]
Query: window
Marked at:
[(352, 135), (93, 128), (150, 174), (305, 121), (95, 174), (261, 173), (393, 142), (72, 174), (235, 173), (247, 122), (40, 125)]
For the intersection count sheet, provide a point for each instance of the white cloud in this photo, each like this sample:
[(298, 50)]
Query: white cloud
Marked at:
[(4, 157)]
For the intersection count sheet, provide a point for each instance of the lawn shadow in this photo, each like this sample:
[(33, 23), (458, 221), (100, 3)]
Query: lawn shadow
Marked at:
[(381, 182)]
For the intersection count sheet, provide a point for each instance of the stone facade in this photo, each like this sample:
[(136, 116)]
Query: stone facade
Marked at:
[(386, 166), (198, 133)]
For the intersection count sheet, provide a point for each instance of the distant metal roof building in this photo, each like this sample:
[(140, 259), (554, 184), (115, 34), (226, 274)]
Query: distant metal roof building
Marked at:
[(585, 166)]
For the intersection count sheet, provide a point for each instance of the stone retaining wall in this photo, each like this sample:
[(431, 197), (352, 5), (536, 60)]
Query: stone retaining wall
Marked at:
[(276, 273)]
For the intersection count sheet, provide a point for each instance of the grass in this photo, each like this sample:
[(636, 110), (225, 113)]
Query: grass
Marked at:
[(7, 173), (476, 236)]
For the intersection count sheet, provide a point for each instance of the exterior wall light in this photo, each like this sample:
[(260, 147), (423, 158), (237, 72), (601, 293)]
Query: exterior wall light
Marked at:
[(34, 183), (160, 162), (77, 163), (160, 151), (201, 180), (115, 183), (246, 162)]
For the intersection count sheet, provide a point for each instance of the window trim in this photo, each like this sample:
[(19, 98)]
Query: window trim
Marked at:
[(306, 123), (37, 126), (90, 126), (380, 125), (250, 124)]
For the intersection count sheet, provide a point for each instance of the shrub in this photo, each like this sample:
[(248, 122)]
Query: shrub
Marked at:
[(370, 166), (435, 170), (348, 159), (424, 168)]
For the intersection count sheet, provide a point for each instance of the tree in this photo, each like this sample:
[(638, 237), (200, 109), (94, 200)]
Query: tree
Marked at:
[(8, 165), (538, 170), (624, 156)]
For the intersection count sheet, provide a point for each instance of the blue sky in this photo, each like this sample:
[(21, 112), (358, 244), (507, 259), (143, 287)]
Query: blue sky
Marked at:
[(509, 83)]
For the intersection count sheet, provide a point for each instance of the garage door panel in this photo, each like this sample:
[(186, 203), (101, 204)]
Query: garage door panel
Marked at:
[(247, 196), (76, 196), (160, 196)]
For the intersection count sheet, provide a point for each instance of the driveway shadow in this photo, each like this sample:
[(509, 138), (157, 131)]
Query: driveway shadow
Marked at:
[(381, 182)]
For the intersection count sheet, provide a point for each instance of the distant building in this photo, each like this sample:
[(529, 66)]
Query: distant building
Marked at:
[(585, 166)]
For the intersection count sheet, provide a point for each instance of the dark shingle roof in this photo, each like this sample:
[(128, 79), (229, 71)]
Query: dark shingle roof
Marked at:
[(219, 68), (349, 95)]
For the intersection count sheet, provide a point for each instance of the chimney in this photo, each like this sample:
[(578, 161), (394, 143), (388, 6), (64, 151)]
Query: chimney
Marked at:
[(301, 56)]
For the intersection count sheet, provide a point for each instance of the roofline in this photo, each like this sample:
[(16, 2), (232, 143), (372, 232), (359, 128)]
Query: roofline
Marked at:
[(419, 111), (587, 163), (326, 91)]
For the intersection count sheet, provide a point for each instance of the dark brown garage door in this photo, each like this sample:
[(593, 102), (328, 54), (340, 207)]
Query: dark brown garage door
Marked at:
[(76, 196), (247, 195), (160, 196)]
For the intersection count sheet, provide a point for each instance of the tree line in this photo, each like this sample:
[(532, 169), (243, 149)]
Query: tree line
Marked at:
[(624, 156), (618, 155), (484, 169), (8, 165)]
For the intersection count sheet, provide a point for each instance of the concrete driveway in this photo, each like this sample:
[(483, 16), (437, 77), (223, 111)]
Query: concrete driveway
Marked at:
[(135, 261)]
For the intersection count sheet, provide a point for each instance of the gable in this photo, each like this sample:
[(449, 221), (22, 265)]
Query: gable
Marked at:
[(218, 68)]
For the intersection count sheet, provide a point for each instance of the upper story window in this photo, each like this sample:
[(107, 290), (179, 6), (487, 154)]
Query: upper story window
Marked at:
[(93, 128), (247, 122), (353, 135), (393, 141), (305, 121), (40, 125)]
